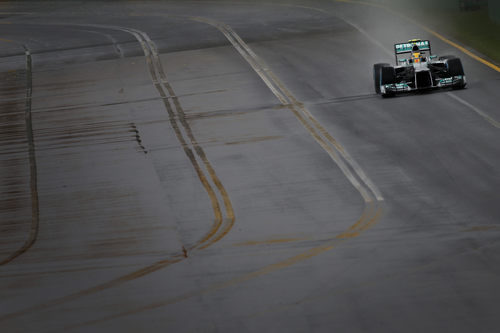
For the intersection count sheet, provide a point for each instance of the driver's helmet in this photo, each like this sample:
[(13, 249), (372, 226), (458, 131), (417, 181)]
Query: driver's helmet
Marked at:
[(415, 53)]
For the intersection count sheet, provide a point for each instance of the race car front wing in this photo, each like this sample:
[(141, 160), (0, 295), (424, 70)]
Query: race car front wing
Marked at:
[(454, 81)]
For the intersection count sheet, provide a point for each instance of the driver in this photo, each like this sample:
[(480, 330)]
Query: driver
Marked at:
[(416, 54)]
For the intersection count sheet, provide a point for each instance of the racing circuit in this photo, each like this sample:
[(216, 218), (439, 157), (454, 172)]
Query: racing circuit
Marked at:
[(224, 166)]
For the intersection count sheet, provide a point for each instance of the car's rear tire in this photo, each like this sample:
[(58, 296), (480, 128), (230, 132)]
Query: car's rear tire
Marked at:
[(376, 76)]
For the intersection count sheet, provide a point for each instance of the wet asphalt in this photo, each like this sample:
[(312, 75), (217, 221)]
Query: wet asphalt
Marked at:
[(221, 166)]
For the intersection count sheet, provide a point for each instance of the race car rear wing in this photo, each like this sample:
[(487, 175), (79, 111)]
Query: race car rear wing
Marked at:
[(401, 48)]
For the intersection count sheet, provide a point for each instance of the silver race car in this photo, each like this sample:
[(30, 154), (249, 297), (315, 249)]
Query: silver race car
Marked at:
[(419, 71)]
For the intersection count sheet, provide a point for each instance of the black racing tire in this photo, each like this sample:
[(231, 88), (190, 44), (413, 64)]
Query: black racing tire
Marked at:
[(455, 67), (387, 75), (376, 76)]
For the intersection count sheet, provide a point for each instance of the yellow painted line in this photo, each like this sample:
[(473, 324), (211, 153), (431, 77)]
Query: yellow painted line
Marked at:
[(98, 288), (210, 238), (359, 226), (444, 39), (6, 40), (370, 215), (481, 113), (214, 234), (238, 280), (156, 69), (367, 219), (298, 109), (229, 222), (370, 282), (461, 48)]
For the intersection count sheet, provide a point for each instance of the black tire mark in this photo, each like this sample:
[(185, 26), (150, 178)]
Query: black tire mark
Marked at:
[(211, 236), (138, 138), (176, 113), (35, 208)]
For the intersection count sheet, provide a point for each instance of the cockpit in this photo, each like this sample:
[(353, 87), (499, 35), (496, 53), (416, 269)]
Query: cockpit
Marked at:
[(417, 56)]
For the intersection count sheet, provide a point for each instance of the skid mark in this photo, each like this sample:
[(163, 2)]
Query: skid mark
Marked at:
[(345, 162), (363, 223), (371, 195), (373, 199), (101, 287), (176, 113), (35, 209), (221, 225)]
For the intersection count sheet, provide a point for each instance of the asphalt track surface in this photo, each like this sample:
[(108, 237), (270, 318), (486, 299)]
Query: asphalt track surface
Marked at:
[(222, 166)]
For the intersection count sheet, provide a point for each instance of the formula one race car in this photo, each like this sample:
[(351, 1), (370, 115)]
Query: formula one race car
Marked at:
[(419, 72)]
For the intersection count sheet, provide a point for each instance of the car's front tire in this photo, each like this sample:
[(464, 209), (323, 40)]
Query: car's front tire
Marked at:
[(387, 76), (455, 68), (376, 76)]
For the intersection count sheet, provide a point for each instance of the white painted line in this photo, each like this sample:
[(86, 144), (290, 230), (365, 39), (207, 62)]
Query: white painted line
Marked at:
[(357, 169), (370, 38), (390, 53), (476, 110), (286, 98)]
